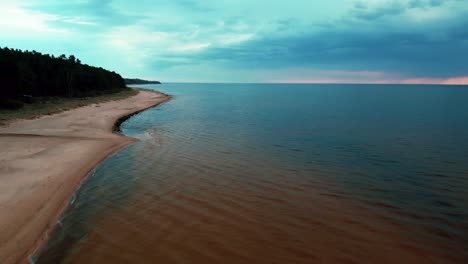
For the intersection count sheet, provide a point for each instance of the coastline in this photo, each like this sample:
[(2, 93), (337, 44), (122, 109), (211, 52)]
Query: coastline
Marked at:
[(44, 161)]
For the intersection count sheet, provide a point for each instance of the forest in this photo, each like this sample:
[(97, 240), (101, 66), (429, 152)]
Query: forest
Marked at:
[(140, 81), (26, 75)]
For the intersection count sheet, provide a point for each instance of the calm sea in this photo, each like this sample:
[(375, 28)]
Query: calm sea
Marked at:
[(262, 173)]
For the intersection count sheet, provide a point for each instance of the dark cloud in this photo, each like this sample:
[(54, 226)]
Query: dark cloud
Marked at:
[(411, 53), (438, 49)]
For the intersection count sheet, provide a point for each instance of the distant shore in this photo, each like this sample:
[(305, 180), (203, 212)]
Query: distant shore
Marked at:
[(139, 81), (43, 161)]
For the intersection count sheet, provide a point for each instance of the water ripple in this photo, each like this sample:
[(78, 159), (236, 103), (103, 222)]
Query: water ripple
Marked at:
[(242, 182)]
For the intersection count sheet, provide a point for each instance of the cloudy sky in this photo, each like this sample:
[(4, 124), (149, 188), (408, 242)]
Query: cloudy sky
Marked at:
[(351, 41)]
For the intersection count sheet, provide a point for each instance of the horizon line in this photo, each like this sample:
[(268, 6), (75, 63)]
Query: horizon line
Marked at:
[(330, 83)]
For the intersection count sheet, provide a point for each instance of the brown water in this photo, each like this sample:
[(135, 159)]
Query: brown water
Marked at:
[(214, 183)]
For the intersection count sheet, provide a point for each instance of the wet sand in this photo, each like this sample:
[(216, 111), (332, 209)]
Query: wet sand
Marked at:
[(43, 162)]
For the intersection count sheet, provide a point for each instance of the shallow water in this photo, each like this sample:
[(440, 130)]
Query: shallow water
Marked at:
[(248, 173)]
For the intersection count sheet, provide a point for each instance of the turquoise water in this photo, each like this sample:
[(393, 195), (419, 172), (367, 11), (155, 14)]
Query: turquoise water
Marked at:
[(265, 155)]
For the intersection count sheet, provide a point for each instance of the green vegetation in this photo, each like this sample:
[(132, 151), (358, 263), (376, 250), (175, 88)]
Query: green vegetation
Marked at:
[(53, 105), (26, 76), (140, 81)]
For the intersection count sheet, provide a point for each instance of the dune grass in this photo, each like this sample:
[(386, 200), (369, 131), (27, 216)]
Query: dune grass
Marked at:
[(52, 105)]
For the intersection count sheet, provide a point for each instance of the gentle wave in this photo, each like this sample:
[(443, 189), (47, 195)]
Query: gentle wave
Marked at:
[(207, 187)]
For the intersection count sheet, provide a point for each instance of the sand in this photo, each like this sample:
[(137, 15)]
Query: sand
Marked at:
[(43, 161)]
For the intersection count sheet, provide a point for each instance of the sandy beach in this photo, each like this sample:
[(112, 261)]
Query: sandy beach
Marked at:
[(43, 161)]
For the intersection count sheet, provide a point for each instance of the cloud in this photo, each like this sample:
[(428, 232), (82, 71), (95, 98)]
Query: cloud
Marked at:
[(191, 47), (77, 21), (412, 53), (363, 11), (100, 14), (463, 80), (372, 10), (408, 49), (194, 5), (15, 20), (335, 39)]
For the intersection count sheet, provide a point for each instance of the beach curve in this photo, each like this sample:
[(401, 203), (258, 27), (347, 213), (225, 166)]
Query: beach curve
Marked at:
[(43, 162)]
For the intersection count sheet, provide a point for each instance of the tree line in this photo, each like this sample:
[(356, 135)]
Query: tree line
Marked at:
[(29, 74), (140, 81)]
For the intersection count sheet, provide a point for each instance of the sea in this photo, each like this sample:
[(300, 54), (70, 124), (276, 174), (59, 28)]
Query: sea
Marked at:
[(279, 173)]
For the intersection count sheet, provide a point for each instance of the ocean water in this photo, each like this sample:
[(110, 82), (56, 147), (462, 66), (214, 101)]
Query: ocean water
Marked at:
[(263, 173)]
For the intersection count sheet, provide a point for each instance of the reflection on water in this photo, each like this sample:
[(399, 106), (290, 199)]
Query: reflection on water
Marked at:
[(280, 174)]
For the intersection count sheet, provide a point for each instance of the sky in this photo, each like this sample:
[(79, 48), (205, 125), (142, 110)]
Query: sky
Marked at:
[(293, 41)]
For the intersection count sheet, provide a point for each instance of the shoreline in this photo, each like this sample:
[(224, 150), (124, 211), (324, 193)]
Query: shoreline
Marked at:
[(116, 127), (44, 161), (43, 106)]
